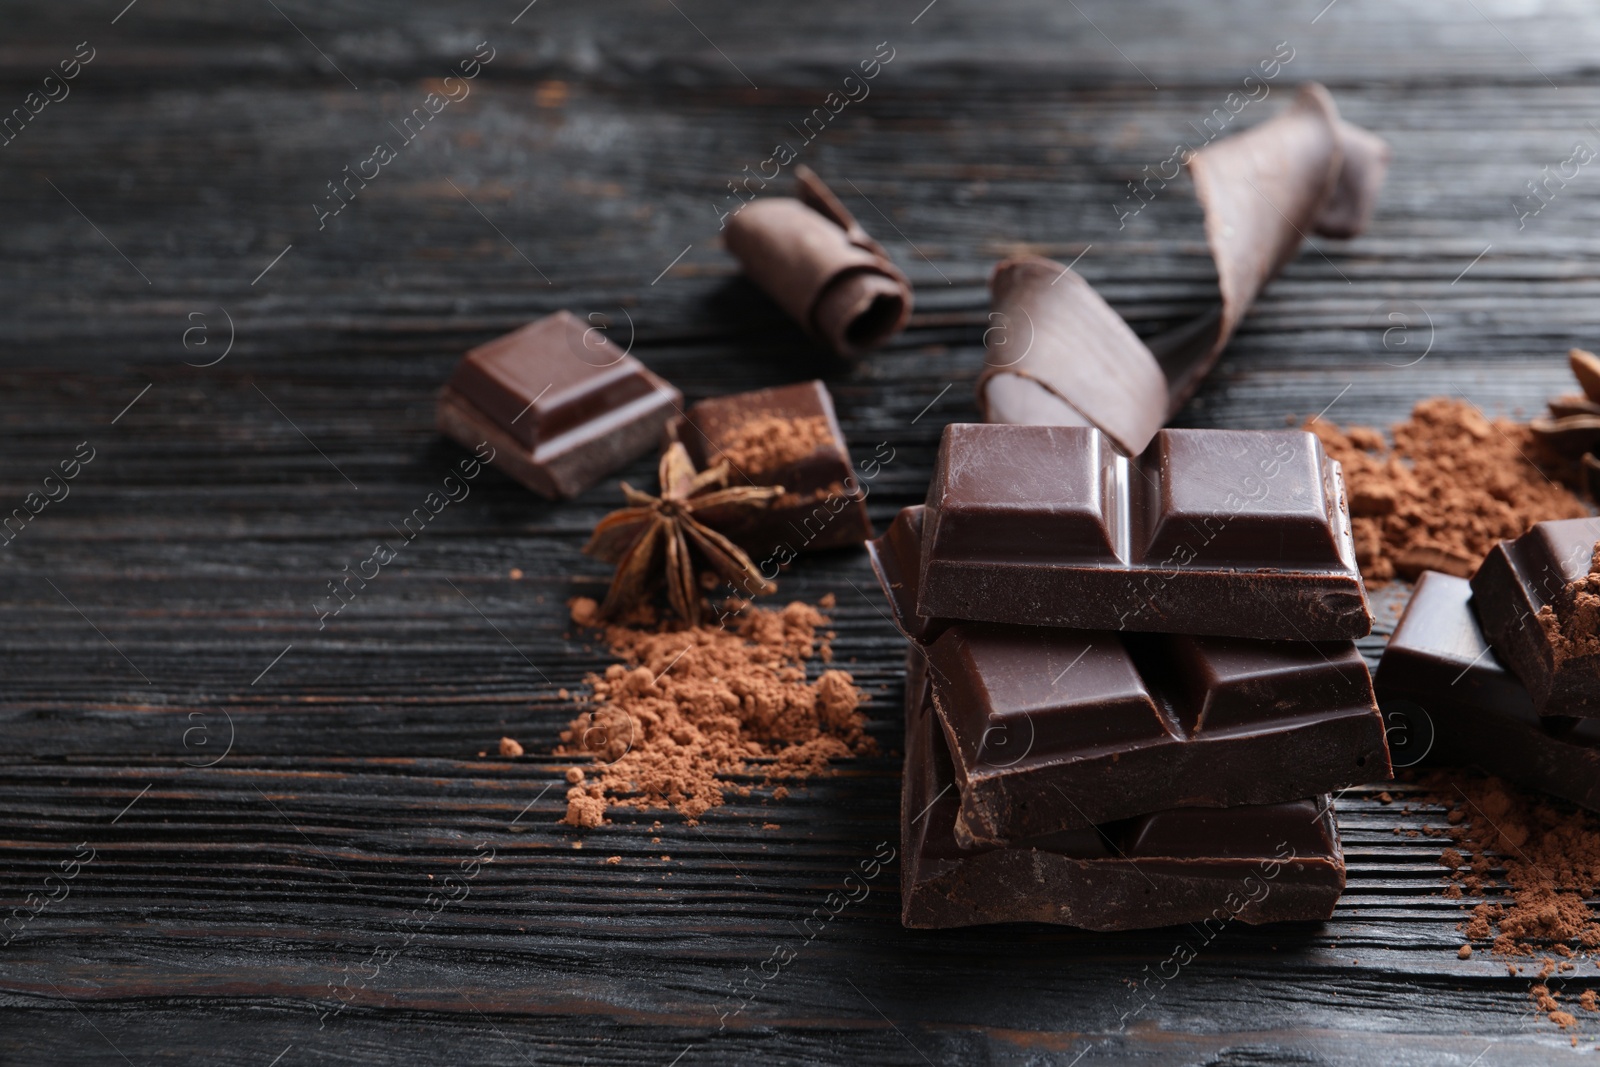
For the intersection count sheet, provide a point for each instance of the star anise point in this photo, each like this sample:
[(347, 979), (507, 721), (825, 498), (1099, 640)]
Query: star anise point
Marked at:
[(661, 533)]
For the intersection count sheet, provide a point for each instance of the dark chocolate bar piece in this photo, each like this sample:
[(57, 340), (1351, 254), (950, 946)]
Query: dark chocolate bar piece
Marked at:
[(1058, 355), (561, 405), (1256, 864), (896, 559), (1242, 533), (1444, 693), (815, 260), (1534, 598), (787, 436), (1054, 729)]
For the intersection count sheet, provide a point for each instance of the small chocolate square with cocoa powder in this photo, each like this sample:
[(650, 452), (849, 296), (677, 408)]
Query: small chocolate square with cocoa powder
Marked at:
[(786, 436)]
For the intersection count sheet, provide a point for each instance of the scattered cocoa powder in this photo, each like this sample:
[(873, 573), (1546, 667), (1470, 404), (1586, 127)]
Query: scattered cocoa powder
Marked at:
[(1453, 484), (510, 747), (688, 707), (1548, 859), (1464, 952), (764, 443), (1550, 1004), (1571, 621)]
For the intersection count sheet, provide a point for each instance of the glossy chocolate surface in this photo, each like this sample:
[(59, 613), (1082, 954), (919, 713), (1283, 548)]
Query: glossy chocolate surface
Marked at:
[(561, 405), (1055, 729), (1236, 533), (823, 506), (1256, 864), (1444, 693), (1518, 578)]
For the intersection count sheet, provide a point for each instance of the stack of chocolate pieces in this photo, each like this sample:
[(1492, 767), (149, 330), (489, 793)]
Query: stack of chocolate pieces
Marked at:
[(1503, 671), (1127, 677)]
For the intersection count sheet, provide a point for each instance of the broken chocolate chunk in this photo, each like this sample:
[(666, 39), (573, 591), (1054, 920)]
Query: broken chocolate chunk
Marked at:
[(1538, 601)]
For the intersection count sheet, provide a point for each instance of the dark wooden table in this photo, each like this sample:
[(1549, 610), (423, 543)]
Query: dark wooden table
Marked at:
[(268, 805)]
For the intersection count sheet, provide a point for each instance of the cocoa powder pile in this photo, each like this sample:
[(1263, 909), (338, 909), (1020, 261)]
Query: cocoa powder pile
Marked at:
[(1572, 621), (1530, 866), (767, 442), (1454, 483), (688, 707)]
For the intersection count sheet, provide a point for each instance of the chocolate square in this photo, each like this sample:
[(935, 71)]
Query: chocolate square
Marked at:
[(1053, 729), (1518, 579), (560, 404), (1235, 533), (1446, 698), (786, 436)]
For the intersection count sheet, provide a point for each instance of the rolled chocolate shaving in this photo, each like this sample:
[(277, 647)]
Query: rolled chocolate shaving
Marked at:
[(812, 257), (1586, 368), (1572, 404), (1040, 306), (1261, 191), (1591, 475), (1573, 435)]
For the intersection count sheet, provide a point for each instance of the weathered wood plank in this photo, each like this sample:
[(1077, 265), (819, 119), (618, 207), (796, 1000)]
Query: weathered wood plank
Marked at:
[(599, 142)]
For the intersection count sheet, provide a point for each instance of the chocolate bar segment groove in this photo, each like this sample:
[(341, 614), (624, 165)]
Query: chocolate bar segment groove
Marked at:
[(1443, 690), (560, 404), (1255, 864), (1055, 729), (1524, 598), (1237, 533), (812, 257)]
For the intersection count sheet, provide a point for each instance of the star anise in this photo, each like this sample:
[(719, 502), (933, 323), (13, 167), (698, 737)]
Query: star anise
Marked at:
[(655, 534)]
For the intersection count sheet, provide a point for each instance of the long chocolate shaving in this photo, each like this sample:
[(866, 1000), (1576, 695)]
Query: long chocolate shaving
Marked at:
[(819, 264), (1058, 354)]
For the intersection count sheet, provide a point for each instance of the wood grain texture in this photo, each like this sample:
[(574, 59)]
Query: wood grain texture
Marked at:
[(144, 616)]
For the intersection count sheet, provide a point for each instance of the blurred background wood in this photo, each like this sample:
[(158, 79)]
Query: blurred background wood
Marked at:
[(160, 618)]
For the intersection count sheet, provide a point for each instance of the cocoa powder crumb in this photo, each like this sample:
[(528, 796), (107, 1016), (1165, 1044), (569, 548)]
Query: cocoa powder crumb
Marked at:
[(1549, 863), (1453, 484), (1464, 952), (689, 707), (584, 611), (510, 747), (767, 442), (1571, 622)]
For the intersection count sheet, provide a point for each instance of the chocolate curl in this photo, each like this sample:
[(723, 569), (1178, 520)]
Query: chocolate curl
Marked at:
[(814, 259), (1262, 191)]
